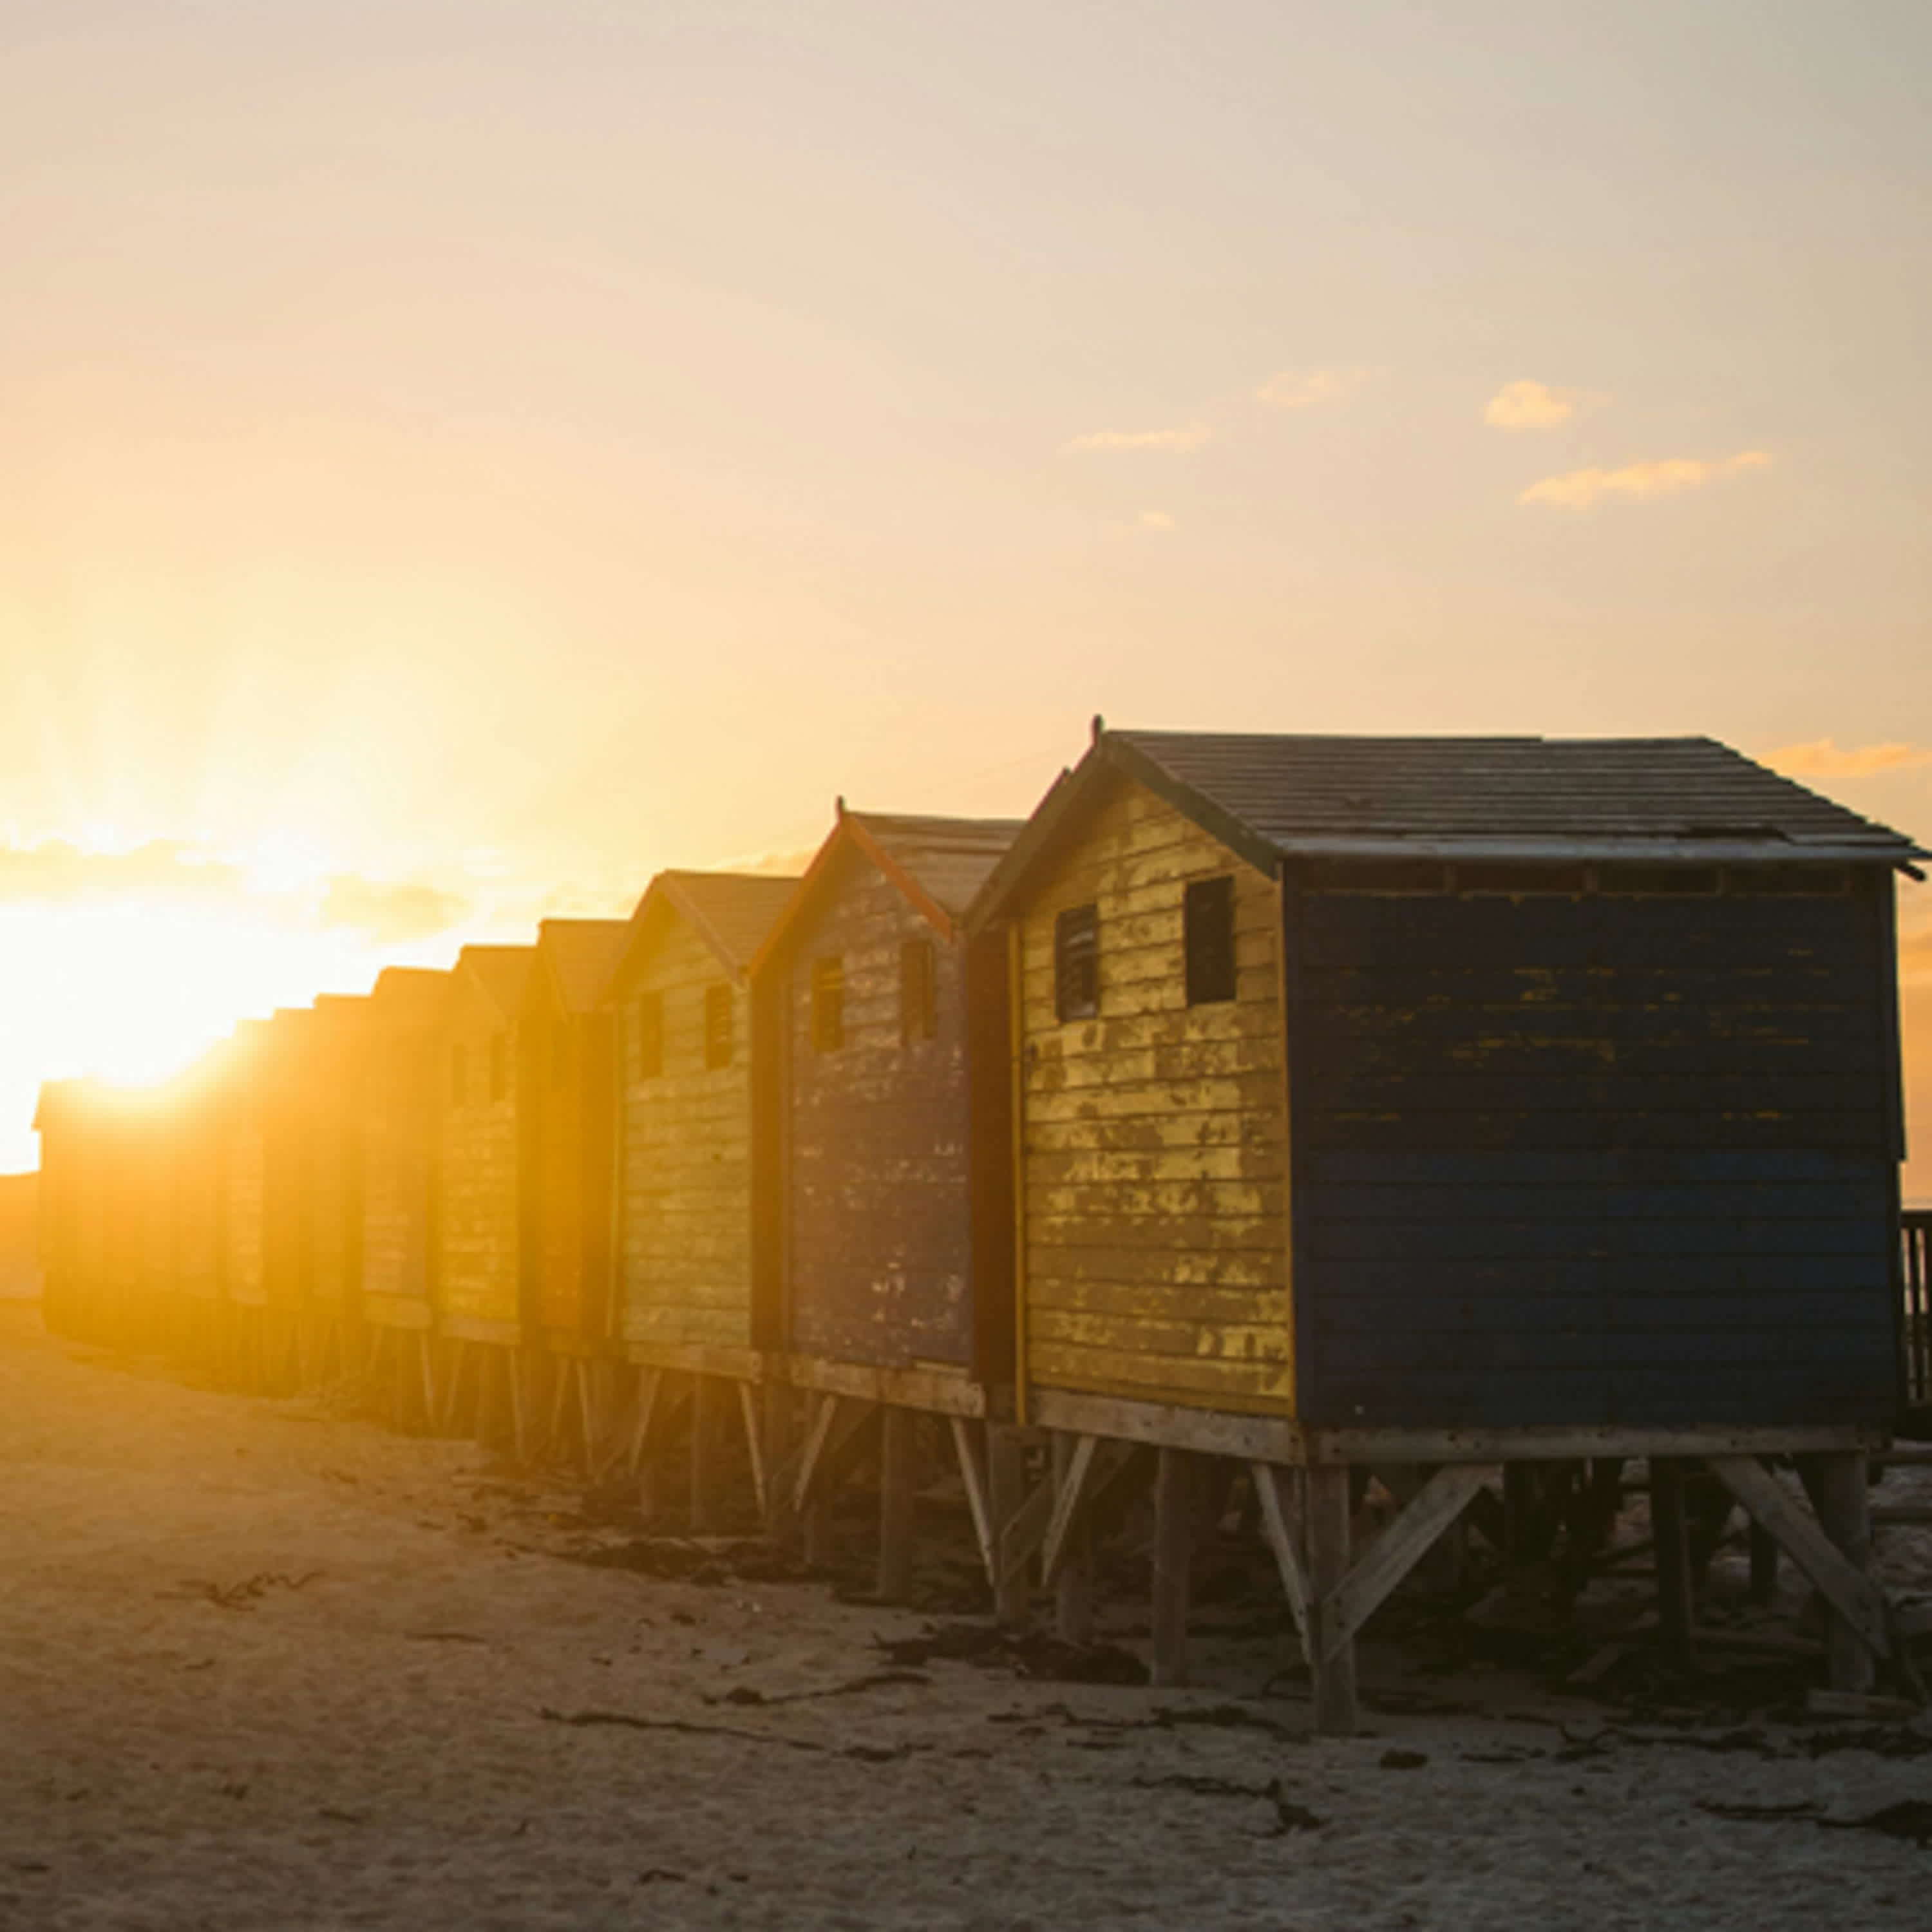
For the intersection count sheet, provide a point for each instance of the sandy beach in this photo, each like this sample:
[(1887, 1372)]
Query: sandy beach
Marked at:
[(263, 1665)]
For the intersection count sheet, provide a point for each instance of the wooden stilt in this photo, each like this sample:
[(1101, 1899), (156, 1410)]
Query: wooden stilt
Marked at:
[(1073, 1588), (972, 1478), (706, 1474), (898, 1448), (1326, 1527), (1005, 1493), (1676, 1607), (1173, 1559), (1844, 1509), (520, 1434)]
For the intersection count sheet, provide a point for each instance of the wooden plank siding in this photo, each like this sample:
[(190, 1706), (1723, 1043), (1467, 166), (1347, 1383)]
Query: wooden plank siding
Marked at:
[(879, 1214), (570, 1105), (685, 1214), (1572, 1158), (1155, 1148), (478, 1225)]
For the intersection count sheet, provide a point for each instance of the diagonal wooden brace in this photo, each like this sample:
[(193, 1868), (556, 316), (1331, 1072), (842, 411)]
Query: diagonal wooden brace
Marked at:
[(1097, 1464), (1395, 1552), (1283, 1528), (973, 1475), (1854, 1596)]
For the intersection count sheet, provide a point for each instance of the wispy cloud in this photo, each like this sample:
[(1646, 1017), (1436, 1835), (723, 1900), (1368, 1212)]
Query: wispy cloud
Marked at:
[(1306, 389), (388, 912), (1578, 489), (1156, 520), (1182, 441), (1535, 406), (1822, 758)]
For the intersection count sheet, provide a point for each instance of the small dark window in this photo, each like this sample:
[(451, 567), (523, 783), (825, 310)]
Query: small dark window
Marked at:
[(650, 1036), (718, 1025), (828, 1004), (1076, 963), (459, 1076), (919, 991), (1207, 923), (559, 1054), (499, 1066)]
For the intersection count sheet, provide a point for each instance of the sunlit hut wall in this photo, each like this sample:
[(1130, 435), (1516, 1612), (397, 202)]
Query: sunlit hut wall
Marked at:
[(679, 1000), (194, 1103), (240, 1143), (889, 1101), (399, 1110), (482, 1282), (1593, 1095), (288, 1067), (571, 1112), (338, 1073)]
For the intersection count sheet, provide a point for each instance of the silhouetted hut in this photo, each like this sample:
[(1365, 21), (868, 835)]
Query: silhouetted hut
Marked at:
[(680, 1005), (1431, 1104), (570, 1107), (399, 1104), (193, 1104), (483, 1286), (337, 1072), (60, 1120), (886, 1247)]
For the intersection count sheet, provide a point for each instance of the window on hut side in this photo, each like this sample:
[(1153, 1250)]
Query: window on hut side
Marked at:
[(459, 1076), (828, 1004), (718, 1025), (650, 1035), (1076, 963), (919, 991), (499, 1066), (1207, 926), (559, 1054)]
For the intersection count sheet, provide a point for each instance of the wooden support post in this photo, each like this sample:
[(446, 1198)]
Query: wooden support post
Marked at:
[(898, 1447), (1282, 1524), (1006, 1488), (1676, 1607), (1844, 1509), (705, 1472), (1327, 1529), (1073, 1587), (972, 1478), (755, 1448), (1173, 1557)]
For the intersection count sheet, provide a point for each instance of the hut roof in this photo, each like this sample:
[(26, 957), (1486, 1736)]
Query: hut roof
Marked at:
[(1272, 796), (411, 992), (579, 954), (938, 864), (502, 971), (731, 912)]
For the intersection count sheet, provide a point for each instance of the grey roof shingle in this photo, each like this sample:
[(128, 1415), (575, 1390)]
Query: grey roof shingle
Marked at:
[(1346, 797), (580, 952), (950, 858)]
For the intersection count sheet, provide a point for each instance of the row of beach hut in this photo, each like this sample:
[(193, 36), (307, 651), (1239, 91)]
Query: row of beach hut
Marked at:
[(1270, 1111)]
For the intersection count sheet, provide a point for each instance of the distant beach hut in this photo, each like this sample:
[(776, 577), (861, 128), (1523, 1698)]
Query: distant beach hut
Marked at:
[(570, 1109), (886, 1233), (337, 1073), (483, 1283), (1443, 1106), (681, 1012), (60, 1121), (397, 1097)]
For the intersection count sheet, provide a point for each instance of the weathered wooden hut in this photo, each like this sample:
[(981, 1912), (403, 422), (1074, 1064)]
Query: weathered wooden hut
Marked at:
[(192, 1116), (336, 1072), (570, 1107), (398, 1103), (1429, 1105), (885, 1261), (680, 1005), (286, 1068), (483, 1286), (240, 1167)]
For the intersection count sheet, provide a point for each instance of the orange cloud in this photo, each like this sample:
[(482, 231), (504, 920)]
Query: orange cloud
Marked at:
[(1291, 390), (1535, 406), (1823, 759), (1580, 488), (1195, 436)]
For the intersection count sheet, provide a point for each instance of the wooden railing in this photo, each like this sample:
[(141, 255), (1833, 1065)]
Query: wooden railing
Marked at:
[(1915, 1327)]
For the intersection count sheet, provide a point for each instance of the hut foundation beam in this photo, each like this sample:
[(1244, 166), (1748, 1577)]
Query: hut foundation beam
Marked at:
[(1174, 1516), (1332, 1667), (898, 1445)]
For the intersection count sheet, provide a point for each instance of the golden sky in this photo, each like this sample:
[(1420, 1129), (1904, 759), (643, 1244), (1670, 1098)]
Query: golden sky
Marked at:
[(457, 457)]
